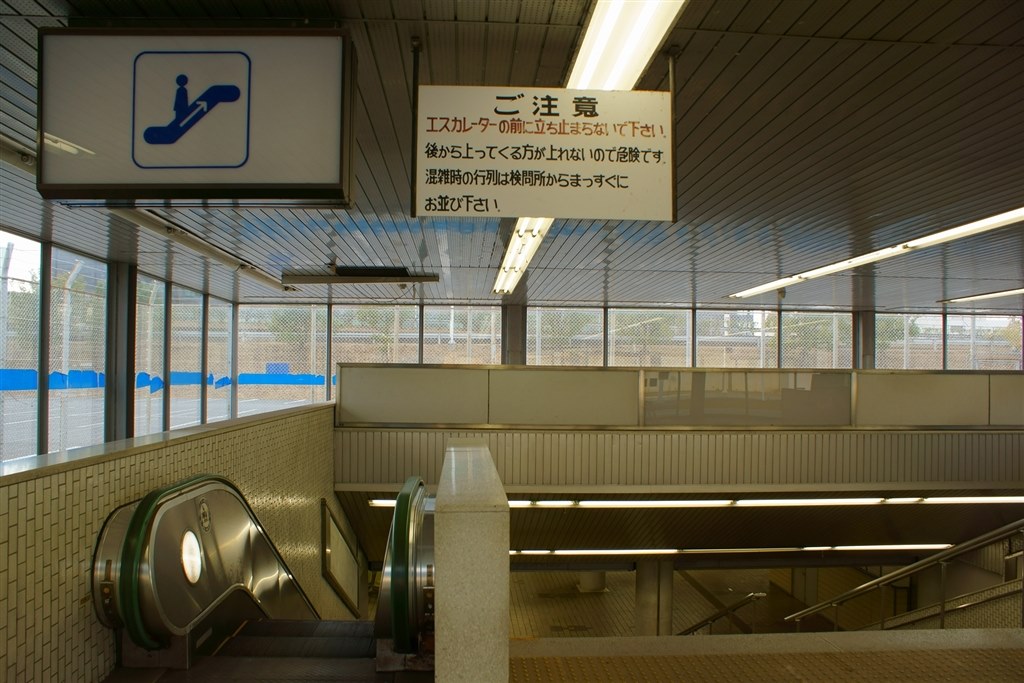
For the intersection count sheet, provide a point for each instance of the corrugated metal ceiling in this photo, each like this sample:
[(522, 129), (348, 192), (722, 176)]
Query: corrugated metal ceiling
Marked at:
[(807, 132)]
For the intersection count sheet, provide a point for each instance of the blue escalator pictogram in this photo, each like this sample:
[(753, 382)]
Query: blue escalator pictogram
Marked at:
[(188, 114)]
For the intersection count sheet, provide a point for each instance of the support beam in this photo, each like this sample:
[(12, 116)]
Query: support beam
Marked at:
[(654, 597)]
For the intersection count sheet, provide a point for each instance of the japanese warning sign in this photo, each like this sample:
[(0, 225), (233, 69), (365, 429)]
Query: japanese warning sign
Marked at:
[(492, 152)]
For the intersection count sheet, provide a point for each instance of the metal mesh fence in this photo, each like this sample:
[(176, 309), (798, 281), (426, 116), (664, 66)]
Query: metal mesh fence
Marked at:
[(78, 335), (905, 341), (648, 338), (983, 342), (375, 334), (186, 369), (564, 336), (19, 345), (817, 340), (150, 374), (737, 339), (218, 361), (462, 335), (282, 357)]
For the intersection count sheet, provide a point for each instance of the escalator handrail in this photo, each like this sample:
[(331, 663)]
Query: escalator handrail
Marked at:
[(135, 546), (401, 551)]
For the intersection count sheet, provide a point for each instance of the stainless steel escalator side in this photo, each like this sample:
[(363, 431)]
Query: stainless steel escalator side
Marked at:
[(165, 564)]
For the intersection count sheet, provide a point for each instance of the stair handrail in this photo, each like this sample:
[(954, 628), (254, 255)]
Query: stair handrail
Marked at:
[(724, 612), (939, 558)]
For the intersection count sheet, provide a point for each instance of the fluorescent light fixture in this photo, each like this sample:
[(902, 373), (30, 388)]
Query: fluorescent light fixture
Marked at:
[(618, 551), (954, 500), (530, 552), (620, 41), (980, 297), (816, 548), (642, 504), (983, 225), (742, 502), (65, 145), (526, 239), (896, 546), (804, 502), (710, 551)]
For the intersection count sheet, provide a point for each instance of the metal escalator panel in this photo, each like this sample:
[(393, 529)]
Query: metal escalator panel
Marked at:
[(165, 564)]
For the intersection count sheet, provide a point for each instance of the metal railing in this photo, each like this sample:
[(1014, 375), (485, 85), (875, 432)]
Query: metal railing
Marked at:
[(941, 559), (724, 612)]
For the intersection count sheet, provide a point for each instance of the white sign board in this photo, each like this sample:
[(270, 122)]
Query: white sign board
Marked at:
[(487, 151), (231, 115)]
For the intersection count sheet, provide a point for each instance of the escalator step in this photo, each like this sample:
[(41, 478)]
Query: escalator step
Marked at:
[(285, 628), (304, 646), (280, 670)]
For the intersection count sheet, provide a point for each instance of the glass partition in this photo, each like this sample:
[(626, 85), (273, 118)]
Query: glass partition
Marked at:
[(726, 397), (218, 361), (907, 341), (983, 342), (817, 340)]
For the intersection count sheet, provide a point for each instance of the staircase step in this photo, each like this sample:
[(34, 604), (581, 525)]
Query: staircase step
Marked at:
[(283, 628), (299, 646)]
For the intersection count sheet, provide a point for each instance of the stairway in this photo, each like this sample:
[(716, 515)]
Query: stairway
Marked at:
[(285, 651)]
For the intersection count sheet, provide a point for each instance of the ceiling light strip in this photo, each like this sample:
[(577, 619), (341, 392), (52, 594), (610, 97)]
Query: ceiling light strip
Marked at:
[(731, 551), (984, 225), (980, 297), (744, 502), (619, 43)]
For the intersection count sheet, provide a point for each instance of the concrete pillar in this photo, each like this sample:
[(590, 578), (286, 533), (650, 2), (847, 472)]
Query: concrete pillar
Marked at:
[(592, 582), (471, 543), (654, 597), (513, 334)]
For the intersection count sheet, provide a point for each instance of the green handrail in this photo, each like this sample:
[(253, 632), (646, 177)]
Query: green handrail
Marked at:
[(401, 544)]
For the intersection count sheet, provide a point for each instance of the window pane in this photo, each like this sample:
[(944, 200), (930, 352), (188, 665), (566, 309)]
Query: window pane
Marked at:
[(375, 334), (19, 345), (649, 338), (737, 339), (564, 336), (983, 342), (282, 355), (218, 361), (908, 341), (150, 376), (462, 334), (186, 368), (78, 334), (817, 340)]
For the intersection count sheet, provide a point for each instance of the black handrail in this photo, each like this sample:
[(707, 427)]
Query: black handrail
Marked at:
[(725, 611), (903, 572)]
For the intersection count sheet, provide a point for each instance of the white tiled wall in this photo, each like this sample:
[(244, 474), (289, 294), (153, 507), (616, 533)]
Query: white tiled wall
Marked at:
[(282, 463)]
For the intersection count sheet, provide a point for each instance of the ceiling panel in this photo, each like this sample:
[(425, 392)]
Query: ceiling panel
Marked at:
[(806, 133)]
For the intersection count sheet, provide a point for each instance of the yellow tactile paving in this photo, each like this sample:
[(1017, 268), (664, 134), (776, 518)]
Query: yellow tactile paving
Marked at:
[(903, 666)]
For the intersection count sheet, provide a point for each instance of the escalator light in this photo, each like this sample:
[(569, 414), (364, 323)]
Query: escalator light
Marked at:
[(191, 557)]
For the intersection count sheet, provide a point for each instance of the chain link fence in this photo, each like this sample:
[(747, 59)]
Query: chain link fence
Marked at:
[(983, 342), (817, 340), (737, 339), (564, 336), (78, 336), (150, 374), (19, 345), (375, 334), (648, 338), (906, 341), (282, 356), (218, 361), (469, 335), (186, 364)]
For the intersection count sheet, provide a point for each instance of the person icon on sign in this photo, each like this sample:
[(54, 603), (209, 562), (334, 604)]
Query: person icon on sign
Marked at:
[(181, 98)]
